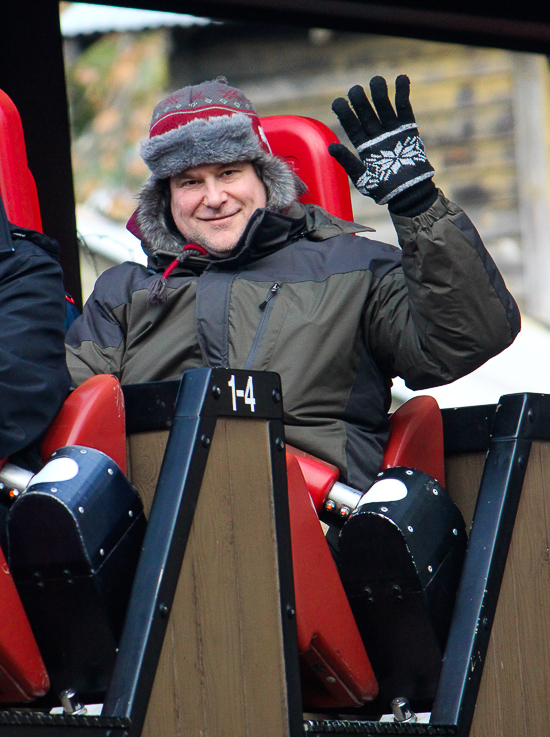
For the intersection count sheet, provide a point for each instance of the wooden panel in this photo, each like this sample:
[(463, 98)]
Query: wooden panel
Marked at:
[(463, 476), (221, 670), (514, 698), (145, 454)]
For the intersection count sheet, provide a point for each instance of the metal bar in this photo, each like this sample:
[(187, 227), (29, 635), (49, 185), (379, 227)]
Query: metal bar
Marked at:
[(32, 723), (286, 575), (150, 406), (519, 28), (485, 561), (467, 429), (156, 578)]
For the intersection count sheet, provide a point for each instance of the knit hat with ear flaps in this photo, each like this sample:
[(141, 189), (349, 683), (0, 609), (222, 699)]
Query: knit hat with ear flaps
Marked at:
[(213, 123)]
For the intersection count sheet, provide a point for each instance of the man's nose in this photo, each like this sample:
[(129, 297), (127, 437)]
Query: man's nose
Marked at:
[(214, 194)]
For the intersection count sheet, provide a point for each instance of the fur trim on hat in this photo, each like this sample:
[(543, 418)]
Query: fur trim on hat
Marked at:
[(155, 221), (217, 140), (282, 185), (154, 215)]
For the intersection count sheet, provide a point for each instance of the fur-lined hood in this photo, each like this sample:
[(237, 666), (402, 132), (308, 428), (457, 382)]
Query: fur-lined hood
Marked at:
[(153, 217), (267, 231)]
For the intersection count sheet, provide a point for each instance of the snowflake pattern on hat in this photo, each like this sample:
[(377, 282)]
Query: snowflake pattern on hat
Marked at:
[(380, 167)]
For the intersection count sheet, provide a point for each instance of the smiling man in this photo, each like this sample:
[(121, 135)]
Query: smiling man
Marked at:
[(240, 274), (213, 203)]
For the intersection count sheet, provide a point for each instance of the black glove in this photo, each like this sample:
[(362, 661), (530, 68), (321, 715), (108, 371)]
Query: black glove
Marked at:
[(393, 167)]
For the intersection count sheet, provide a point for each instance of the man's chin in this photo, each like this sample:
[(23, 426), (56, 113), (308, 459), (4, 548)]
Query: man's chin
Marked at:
[(219, 251), (221, 246)]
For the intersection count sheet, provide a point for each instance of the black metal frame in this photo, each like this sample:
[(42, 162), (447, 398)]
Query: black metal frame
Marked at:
[(505, 431), (516, 422), (203, 397)]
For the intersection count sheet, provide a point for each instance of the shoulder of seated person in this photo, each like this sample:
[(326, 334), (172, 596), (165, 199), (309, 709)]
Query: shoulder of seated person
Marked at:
[(44, 242)]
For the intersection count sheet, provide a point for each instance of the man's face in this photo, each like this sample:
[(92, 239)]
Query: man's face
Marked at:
[(212, 204)]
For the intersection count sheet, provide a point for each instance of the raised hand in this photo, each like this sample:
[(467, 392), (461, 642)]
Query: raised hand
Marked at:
[(392, 157)]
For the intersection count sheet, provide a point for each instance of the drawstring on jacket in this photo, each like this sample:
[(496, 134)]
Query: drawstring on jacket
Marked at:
[(156, 294)]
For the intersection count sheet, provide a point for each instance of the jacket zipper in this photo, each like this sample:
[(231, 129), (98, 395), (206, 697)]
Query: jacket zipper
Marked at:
[(266, 307), (272, 292)]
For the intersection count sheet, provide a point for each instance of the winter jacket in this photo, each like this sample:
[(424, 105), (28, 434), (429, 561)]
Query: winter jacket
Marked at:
[(337, 315), (34, 380)]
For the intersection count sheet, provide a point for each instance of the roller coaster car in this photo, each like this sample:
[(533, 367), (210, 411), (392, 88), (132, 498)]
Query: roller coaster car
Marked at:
[(237, 609)]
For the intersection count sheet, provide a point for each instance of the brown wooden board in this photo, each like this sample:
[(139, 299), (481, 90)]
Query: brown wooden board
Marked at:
[(221, 670), (145, 454), (514, 696), (463, 475)]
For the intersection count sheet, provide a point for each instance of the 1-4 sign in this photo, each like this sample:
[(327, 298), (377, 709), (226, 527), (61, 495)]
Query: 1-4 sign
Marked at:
[(246, 394)]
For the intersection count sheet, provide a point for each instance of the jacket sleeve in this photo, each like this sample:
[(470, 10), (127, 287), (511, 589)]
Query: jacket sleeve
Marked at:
[(34, 380), (447, 310), (95, 342)]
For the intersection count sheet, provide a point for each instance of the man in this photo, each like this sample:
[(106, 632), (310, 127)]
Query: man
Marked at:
[(242, 275)]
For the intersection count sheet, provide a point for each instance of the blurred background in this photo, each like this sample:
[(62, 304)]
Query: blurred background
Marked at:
[(484, 116)]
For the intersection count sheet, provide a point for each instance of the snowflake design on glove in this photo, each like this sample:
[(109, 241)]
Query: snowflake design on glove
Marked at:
[(381, 166)]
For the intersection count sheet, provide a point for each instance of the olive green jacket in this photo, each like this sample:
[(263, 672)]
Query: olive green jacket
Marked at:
[(337, 315)]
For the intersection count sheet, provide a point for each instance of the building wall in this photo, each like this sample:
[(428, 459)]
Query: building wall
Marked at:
[(484, 115)]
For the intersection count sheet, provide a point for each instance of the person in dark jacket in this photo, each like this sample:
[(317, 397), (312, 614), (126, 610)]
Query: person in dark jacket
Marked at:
[(242, 275), (34, 380)]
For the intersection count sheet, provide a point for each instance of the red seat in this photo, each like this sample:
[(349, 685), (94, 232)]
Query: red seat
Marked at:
[(303, 142), (93, 415), (23, 674), (416, 438), (334, 665), (16, 182)]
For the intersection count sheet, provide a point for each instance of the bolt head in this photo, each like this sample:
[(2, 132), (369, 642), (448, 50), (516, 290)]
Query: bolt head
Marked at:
[(216, 392)]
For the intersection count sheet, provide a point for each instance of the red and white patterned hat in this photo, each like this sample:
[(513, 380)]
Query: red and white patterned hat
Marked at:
[(201, 124)]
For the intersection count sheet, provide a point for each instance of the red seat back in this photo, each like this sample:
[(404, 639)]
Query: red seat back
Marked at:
[(303, 142), (23, 674), (416, 438), (16, 182), (93, 415), (335, 669)]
